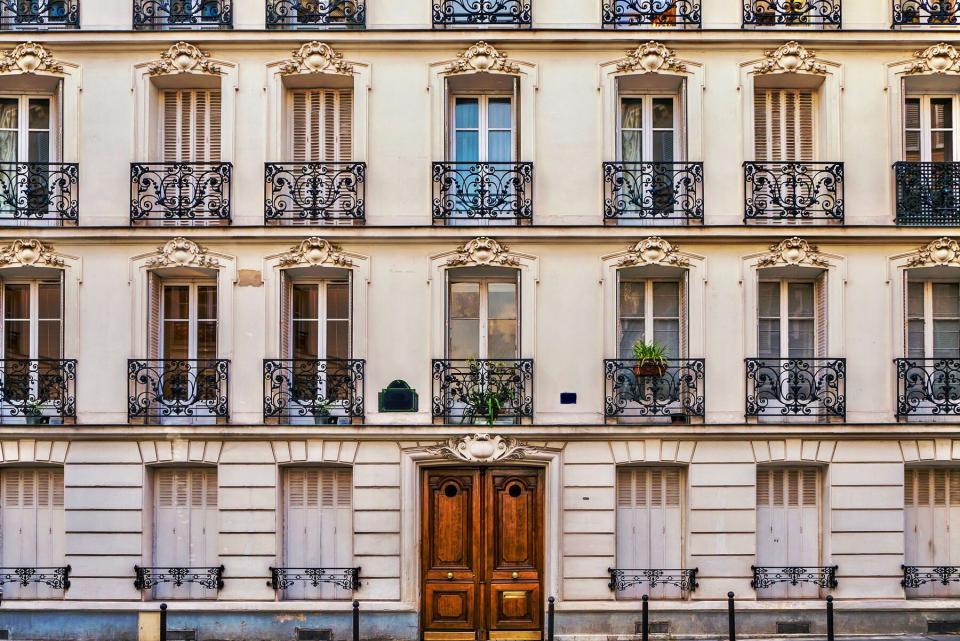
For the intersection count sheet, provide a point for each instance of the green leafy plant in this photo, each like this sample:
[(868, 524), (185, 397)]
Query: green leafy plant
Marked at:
[(33, 408), (649, 353), (321, 409), (492, 390)]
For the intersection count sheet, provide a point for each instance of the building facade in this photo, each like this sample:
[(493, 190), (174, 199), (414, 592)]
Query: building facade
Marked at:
[(311, 302)]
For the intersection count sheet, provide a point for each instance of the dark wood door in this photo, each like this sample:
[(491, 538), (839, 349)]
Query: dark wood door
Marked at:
[(482, 552)]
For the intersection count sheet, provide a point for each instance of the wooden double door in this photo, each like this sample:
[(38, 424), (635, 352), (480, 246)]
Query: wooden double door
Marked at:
[(482, 547)]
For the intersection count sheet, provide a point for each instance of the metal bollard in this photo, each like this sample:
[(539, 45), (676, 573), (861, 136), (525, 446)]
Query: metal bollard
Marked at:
[(163, 622), (550, 615), (356, 621), (731, 617), (645, 619), (830, 618)]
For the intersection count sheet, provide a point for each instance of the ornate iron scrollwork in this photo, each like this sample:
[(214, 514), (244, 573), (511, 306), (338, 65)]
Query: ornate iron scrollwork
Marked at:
[(346, 578), (791, 13), (656, 13), (653, 191), (56, 578), (764, 577), (319, 389), (38, 390), (461, 389), (793, 191), (621, 579), (908, 13), (168, 388), (314, 14), (28, 15), (678, 390), (814, 387), (182, 14), (483, 192), (178, 192), (314, 192), (482, 12), (928, 387), (39, 191), (209, 578), (928, 193), (916, 575)]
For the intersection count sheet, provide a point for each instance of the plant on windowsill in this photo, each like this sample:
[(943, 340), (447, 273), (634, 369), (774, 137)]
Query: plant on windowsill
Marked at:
[(650, 359), (33, 412), (491, 392), (321, 412)]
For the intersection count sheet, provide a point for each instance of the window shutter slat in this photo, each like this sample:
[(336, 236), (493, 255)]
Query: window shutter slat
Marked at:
[(171, 126), (330, 126), (215, 131), (345, 127), (301, 125), (761, 124), (625, 488), (820, 309), (909, 487), (805, 107), (763, 487)]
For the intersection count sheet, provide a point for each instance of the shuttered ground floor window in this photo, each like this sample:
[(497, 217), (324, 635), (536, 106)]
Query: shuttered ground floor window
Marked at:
[(931, 499), (32, 526)]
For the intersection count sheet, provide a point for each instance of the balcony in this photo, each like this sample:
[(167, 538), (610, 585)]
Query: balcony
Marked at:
[(684, 580), (792, 14), (180, 193), (206, 578), (162, 15), (765, 577), (315, 193), (669, 14), (316, 14), (39, 15), (321, 392), (650, 193), (491, 392), (928, 387), (38, 391), (17, 582), (482, 193), (793, 192), (168, 391), (796, 387), (344, 578), (481, 13), (918, 13), (674, 392), (39, 194), (915, 576), (928, 193)]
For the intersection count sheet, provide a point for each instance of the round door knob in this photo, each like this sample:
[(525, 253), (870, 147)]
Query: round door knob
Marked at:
[(515, 575), (449, 575)]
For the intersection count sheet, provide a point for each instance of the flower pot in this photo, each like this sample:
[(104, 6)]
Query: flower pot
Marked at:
[(324, 419), (650, 369), (38, 420)]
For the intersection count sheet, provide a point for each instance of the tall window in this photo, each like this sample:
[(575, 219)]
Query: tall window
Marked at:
[(318, 526), (931, 498), (190, 130), (650, 524), (321, 125), (783, 121), (32, 518), (933, 319), (189, 329), (27, 129), (791, 319), (321, 320), (788, 525), (483, 129), (32, 330), (651, 311), (929, 129), (648, 128), (185, 525), (483, 319)]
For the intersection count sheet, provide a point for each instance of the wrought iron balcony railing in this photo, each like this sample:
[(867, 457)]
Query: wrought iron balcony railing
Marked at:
[(482, 192), (788, 192), (38, 391), (152, 15), (55, 578), (803, 387), (670, 14), (915, 576), (172, 390), (494, 13), (39, 15), (315, 193), (316, 14), (39, 193), (764, 577), (928, 193), (180, 193), (208, 578), (792, 14), (674, 392), (488, 391), (327, 391), (916, 13), (928, 387), (346, 578), (621, 579), (652, 192)]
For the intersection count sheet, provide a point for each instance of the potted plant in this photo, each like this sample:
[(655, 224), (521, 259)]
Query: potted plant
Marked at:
[(650, 359), (490, 394), (33, 412), (321, 412)]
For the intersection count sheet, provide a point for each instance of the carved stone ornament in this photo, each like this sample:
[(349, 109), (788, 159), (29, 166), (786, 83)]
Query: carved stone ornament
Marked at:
[(650, 58), (482, 57), (182, 252), (653, 251), (315, 57), (30, 252), (793, 251), (28, 57), (938, 58), (790, 58), (315, 251), (183, 57), (483, 251), (943, 251), (481, 448)]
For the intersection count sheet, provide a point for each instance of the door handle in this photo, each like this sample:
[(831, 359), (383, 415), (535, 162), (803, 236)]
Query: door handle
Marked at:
[(450, 576), (515, 575)]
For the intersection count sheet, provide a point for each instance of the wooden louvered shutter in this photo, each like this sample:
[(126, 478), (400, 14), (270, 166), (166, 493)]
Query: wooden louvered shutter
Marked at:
[(33, 526), (820, 310), (931, 517), (783, 125), (191, 125), (323, 125), (684, 315), (788, 524), (185, 525), (286, 314), (154, 320)]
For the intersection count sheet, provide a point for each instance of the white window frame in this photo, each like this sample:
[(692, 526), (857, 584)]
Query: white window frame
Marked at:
[(928, 319), (23, 124), (784, 286), (647, 129), (484, 320), (192, 313), (34, 317), (648, 317), (815, 98), (290, 121), (162, 126), (322, 315), (926, 130), (483, 129)]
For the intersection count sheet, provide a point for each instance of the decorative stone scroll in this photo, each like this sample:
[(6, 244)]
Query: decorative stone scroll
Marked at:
[(315, 251), (28, 57), (793, 251), (482, 448), (938, 58), (483, 251), (30, 252), (650, 58), (790, 58), (943, 251), (316, 57), (653, 251), (183, 57), (182, 252), (482, 57)]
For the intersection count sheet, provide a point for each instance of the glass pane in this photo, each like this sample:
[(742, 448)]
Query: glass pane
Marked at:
[(464, 300), (800, 339), (467, 113), (662, 146), (338, 339), (667, 333), (946, 338), (305, 302), (631, 299), (912, 113), (176, 339), (769, 300), (502, 341), (768, 339), (946, 300), (39, 146), (207, 302), (631, 113), (464, 339), (631, 333), (16, 301), (800, 300), (16, 337), (499, 147), (467, 146), (176, 302), (39, 113), (48, 339), (306, 339), (632, 146), (50, 300), (338, 301), (666, 299), (941, 113), (663, 113), (502, 301), (915, 300), (915, 339), (500, 114), (207, 339), (941, 146)]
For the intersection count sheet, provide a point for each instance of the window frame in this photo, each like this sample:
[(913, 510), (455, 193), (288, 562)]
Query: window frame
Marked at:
[(193, 319), (34, 313), (928, 317), (649, 318), (815, 134), (647, 129), (784, 317), (926, 130), (23, 124), (322, 317), (289, 125), (483, 129), (483, 348)]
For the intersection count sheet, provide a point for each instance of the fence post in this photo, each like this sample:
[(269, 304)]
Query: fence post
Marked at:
[(830, 617), (550, 615), (645, 619), (356, 621), (163, 622), (731, 617)]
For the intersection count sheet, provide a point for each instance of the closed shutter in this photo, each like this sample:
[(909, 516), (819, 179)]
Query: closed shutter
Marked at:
[(323, 125), (33, 526), (931, 498), (318, 530), (820, 310), (286, 314), (684, 316), (191, 125), (788, 525), (185, 525), (154, 294), (783, 125), (649, 524)]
